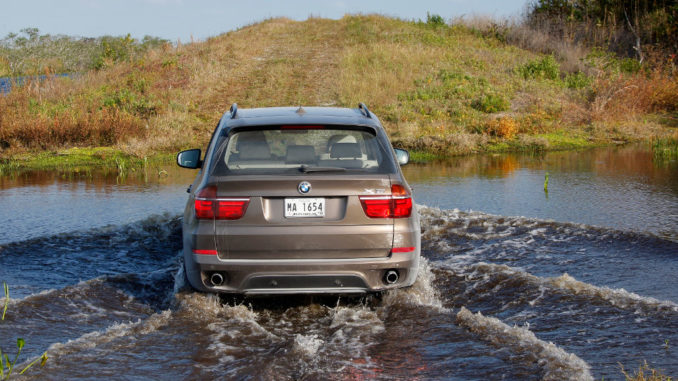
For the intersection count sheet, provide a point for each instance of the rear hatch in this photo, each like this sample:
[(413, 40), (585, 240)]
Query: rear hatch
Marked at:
[(281, 222)]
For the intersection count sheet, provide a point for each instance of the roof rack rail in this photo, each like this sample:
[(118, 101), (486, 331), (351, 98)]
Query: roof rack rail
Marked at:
[(364, 110), (234, 110)]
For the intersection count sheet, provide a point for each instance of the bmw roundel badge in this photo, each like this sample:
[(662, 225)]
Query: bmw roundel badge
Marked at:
[(304, 187)]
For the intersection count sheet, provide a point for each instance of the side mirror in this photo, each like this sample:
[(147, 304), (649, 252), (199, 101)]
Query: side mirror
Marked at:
[(189, 159), (402, 156)]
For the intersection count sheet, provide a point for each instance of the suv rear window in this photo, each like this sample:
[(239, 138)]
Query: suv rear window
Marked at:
[(291, 149)]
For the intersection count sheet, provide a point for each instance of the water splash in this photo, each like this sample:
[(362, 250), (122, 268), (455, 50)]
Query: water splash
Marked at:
[(94, 339), (617, 297), (556, 362), (421, 293), (307, 345), (565, 283)]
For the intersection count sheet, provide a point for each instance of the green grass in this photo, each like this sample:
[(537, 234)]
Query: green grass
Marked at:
[(439, 89), (423, 157), (560, 140), (76, 160), (665, 149)]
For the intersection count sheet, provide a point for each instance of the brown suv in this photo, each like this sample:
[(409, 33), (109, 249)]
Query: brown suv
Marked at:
[(299, 200)]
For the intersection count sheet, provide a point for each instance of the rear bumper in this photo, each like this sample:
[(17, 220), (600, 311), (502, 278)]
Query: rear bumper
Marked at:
[(300, 276)]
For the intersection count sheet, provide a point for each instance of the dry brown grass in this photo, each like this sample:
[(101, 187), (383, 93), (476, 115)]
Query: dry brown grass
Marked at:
[(504, 127), (645, 373), (424, 81), (512, 31), (626, 98)]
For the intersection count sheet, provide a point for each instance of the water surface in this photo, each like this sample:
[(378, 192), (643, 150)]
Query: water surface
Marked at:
[(516, 283)]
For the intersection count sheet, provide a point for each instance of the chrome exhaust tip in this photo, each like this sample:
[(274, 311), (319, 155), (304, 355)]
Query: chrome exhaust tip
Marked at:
[(391, 276), (216, 279)]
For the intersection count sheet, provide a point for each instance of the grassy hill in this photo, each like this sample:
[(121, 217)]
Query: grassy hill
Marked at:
[(437, 88)]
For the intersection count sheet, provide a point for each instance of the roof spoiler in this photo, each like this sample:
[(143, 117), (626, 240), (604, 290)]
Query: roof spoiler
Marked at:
[(364, 110), (361, 106)]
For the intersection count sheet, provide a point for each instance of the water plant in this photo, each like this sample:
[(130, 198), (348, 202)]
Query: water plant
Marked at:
[(121, 164), (7, 365), (8, 167), (665, 149), (645, 373), (546, 182)]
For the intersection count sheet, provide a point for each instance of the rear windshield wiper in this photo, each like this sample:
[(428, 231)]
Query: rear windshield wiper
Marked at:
[(307, 169)]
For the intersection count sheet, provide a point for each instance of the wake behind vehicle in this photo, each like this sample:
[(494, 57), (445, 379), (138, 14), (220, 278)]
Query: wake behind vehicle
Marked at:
[(299, 201)]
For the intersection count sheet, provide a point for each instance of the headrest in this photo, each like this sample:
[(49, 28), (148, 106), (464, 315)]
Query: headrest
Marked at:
[(254, 151), (301, 154), (345, 151), (343, 138)]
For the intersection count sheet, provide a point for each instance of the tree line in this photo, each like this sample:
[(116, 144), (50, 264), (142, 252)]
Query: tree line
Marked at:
[(31, 53), (631, 28)]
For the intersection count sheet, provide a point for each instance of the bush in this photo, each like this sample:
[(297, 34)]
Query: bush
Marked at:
[(577, 80), (629, 65), (545, 68), (490, 103), (131, 102), (505, 127), (434, 20)]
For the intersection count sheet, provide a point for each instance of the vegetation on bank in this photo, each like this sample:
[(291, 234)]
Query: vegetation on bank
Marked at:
[(82, 160), (29, 53), (645, 373), (439, 88)]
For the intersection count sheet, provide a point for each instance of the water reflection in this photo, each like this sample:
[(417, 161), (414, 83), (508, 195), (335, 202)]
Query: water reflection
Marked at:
[(619, 187), (44, 203), (99, 179), (633, 161)]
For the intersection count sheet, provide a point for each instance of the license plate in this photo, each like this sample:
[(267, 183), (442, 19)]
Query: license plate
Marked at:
[(304, 207)]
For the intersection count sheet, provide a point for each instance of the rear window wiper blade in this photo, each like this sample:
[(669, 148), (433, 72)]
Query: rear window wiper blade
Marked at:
[(307, 169)]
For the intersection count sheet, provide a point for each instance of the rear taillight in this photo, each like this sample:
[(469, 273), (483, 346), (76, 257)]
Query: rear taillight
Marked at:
[(397, 205), (209, 206), (204, 252)]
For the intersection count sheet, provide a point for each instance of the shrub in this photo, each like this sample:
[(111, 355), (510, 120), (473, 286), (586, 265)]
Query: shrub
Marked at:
[(629, 65), (131, 102), (625, 97), (434, 20), (577, 80), (490, 103), (545, 68), (505, 127)]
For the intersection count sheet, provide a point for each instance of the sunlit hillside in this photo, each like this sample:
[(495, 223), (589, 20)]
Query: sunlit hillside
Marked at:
[(440, 88)]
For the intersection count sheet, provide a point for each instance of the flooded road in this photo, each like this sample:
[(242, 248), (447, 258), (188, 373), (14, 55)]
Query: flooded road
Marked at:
[(516, 283)]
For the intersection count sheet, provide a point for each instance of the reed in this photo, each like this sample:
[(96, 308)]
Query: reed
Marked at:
[(645, 373), (665, 149), (6, 365)]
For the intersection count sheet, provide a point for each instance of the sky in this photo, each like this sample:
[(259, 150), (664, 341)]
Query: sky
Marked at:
[(199, 19)]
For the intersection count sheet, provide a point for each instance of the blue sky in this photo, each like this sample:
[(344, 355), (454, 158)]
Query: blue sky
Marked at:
[(181, 19)]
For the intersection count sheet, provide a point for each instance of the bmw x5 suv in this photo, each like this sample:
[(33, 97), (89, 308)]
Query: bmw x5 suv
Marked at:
[(299, 201)]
